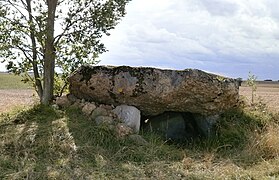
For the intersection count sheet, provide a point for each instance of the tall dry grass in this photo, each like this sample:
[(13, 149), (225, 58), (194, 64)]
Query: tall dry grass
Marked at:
[(265, 144)]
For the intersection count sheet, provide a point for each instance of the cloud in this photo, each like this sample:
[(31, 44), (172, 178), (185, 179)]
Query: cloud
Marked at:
[(214, 35), (230, 37), (273, 8), (220, 7)]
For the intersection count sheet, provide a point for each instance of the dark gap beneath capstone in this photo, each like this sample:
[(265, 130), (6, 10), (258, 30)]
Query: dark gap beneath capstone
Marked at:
[(174, 126)]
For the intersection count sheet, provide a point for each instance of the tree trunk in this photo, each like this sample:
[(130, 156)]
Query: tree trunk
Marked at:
[(34, 63), (49, 59)]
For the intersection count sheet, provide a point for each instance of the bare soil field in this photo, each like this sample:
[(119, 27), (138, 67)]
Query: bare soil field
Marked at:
[(11, 98), (268, 93)]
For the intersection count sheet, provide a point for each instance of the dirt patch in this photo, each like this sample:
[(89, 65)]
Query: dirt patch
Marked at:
[(11, 98)]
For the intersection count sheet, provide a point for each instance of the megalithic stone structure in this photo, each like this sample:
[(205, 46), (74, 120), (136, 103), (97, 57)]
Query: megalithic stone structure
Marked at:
[(154, 91)]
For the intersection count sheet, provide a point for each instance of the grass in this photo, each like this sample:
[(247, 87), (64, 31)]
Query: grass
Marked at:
[(10, 81), (45, 143), (42, 143)]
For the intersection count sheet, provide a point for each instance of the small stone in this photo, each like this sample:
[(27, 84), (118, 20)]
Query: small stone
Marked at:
[(77, 104), (122, 130), (88, 108), (72, 98), (107, 107), (129, 115), (82, 104), (55, 106), (63, 102), (99, 112), (107, 120)]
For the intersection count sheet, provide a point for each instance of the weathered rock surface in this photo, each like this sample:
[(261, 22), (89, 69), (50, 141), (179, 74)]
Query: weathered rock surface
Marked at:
[(154, 91)]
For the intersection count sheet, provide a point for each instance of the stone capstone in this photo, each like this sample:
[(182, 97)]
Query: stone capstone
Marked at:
[(154, 91)]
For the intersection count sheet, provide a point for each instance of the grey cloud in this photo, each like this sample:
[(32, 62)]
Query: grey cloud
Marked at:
[(220, 7), (198, 34), (273, 6)]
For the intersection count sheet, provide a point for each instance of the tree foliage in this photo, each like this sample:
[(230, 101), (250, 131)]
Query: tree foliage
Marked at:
[(41, 35)]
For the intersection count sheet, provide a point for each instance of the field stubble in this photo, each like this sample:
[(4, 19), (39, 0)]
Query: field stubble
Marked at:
[(267, 93), (13, 98)]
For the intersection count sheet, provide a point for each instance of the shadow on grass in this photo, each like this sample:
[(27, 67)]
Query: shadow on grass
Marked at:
[(112, 157), (26, 144), (43, 143)]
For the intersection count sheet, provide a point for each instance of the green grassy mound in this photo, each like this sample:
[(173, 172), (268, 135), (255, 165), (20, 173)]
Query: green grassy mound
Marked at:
[(45, 143)]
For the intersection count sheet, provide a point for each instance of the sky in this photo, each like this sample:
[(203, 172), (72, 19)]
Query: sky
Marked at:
[(225, 37)]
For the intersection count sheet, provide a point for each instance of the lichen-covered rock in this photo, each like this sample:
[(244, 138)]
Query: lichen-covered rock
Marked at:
[(154, 91)]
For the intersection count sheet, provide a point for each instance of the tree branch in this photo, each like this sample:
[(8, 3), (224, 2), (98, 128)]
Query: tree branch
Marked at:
[(34, 62), (16, 6), (24, 51)]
